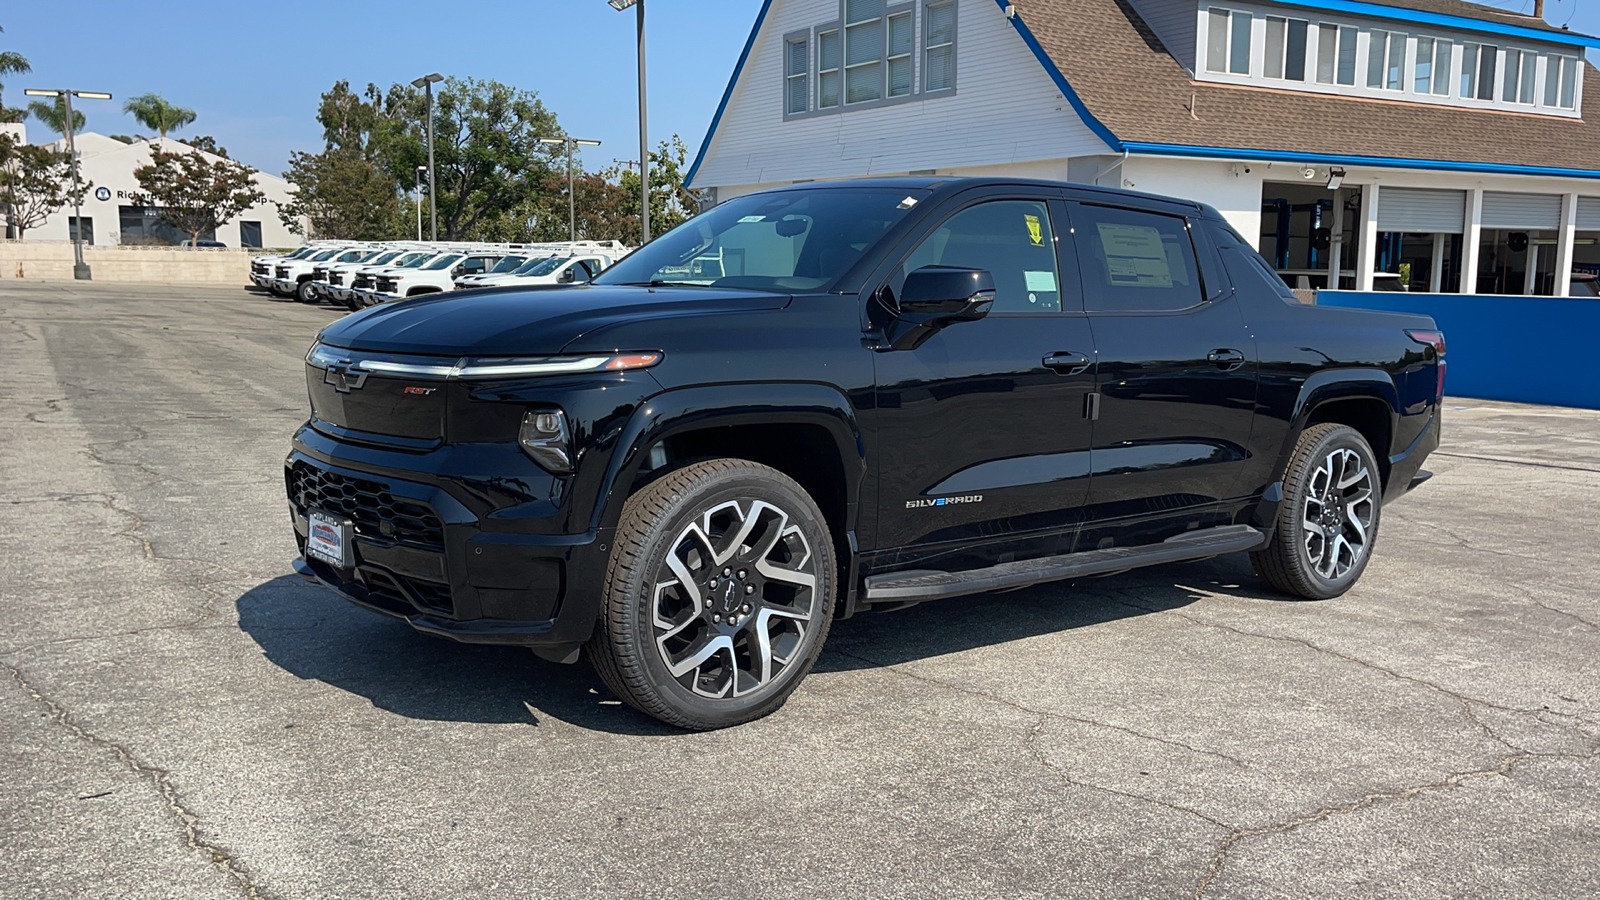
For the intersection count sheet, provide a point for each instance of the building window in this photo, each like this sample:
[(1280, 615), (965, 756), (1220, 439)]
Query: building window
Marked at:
[(1477, 70), (250, 234), (1386, 60), (1560, 82), (1336, 54), (1432, 72), (1228, 42), (900, 39), (939, 46), (828, 69), (76, 225), (863, 50), (1521, 70), (796, 62), (1286, 48)]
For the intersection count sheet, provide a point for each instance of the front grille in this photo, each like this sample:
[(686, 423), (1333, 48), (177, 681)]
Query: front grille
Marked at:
[(320, 273), (387, 285), (260, 269), (283, 271), (362, 281), (336, 279), (376, 512)]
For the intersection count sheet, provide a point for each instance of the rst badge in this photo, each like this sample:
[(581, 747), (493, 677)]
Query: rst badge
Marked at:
[(944, 501), (421, 391)]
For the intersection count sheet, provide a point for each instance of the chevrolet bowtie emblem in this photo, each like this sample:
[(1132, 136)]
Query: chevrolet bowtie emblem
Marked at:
[(345, 377)]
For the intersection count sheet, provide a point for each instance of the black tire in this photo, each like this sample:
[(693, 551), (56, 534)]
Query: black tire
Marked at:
[(651, 623), (1327, 526), (305, 293)]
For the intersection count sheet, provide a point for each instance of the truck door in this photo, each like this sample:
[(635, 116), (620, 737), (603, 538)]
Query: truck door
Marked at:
[(1176, 377), (983, 442)]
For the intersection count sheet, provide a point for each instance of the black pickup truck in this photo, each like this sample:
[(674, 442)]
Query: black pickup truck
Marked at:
[(813, 401)]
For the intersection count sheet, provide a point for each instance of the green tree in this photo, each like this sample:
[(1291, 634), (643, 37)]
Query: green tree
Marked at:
[(154, 112), (340, 194), (194, 195), (207, 143), (35, 182), (670, 202), (54, 115), (11, 63)]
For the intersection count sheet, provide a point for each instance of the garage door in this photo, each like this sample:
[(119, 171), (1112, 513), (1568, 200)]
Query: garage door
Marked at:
[(1421, 211), (1589, 213), (1507, 210)]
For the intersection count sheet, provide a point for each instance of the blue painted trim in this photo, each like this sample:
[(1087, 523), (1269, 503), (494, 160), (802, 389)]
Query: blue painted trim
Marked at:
[(738, 69), (1394, 162), (1095, 125), (1416, 16)]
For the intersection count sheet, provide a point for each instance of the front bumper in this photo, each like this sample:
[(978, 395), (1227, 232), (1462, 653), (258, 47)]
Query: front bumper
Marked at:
[(261, 281), (433, 545), (284, 285)]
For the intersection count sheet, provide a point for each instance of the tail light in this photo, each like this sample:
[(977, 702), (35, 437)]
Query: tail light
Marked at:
[(1434, 339)]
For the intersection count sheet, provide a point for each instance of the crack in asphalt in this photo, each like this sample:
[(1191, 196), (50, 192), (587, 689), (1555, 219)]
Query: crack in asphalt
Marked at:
[(158, 778), (1044, 760), (1518, 462), (1503, 767), (1024, 708), (1528, 594)]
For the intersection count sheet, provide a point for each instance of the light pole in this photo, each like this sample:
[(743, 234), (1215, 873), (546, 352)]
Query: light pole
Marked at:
[(427, 82), (572, 203), (644, 138), (421, 170), (80, 269)]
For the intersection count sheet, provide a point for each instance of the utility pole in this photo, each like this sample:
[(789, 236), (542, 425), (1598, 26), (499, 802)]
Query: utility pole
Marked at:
[(427, 82), (80, 269), (572, 202), (644, 138)]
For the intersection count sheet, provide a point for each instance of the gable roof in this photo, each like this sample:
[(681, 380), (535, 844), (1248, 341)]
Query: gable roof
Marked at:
[(1120, 77)]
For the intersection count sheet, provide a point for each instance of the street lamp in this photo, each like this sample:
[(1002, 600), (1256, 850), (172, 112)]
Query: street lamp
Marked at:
[(80, 269), (421, 170), (644, 139), (572, 203), (427, 82)]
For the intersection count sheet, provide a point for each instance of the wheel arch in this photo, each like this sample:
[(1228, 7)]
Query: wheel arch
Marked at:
[(808, 432), (1364, 399)]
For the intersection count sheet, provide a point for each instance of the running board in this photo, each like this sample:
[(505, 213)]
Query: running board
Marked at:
[(927, 584)]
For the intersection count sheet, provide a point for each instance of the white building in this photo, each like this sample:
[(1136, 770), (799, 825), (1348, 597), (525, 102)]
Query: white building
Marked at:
[(113, 213), (1446, 140)]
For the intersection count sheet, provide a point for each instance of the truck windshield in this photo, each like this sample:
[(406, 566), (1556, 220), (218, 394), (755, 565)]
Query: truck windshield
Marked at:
[(508, 264), (443, 262), (540, 266), (411, 262), (786, 240), (320, 257)]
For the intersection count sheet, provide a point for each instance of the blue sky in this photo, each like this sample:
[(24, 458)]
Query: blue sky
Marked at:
[(254, 72)]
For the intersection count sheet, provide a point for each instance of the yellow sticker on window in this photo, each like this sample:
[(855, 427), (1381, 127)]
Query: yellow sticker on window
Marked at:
[(1035, 230)]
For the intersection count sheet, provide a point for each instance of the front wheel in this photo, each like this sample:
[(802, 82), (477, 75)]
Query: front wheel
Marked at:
[(1328, 522), (305, 293), (718, 596)]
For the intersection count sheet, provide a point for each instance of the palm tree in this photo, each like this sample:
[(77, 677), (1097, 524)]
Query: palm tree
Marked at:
[(54, 115), (11, 64), (153, 111)]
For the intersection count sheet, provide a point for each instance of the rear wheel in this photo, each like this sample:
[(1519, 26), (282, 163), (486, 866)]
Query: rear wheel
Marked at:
[(1328, 522), (718, 596)]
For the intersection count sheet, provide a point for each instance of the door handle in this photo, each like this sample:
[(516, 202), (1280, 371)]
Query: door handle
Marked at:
[(1066, 362), (1226, 360)]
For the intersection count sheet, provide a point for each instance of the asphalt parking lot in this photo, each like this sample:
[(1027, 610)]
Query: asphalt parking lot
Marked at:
[(182, 717)]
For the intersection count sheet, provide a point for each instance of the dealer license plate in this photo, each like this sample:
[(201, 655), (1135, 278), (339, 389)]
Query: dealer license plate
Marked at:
[(329, 539)]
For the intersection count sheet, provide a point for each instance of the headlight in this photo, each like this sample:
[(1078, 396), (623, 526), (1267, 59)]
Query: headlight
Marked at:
[(547, 440)]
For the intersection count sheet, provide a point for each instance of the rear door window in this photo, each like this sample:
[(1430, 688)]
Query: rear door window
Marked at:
[(1134, 260)]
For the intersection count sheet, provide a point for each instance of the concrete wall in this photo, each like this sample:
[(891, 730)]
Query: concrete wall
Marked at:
[(157, 265), (1496, 347)]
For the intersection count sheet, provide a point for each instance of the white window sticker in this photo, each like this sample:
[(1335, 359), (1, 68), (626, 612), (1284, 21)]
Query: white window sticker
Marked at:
[(1043, 282), (1135, 256), (751, 219)]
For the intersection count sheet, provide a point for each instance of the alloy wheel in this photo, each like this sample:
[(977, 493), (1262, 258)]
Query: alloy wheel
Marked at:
[(734, 599), (1339, 512)]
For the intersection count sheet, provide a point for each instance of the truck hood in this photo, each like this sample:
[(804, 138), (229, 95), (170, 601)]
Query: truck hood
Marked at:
[(526, 321)]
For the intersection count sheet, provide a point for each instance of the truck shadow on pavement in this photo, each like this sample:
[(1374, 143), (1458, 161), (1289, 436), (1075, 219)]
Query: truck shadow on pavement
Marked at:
[(314, 635)]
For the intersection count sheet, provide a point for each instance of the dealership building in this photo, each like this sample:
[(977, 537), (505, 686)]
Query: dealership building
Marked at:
[(115, 213), (1449, 143)]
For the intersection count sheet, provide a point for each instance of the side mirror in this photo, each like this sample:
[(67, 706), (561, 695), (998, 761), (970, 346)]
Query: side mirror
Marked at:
[(936, 296), (568, 276)]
